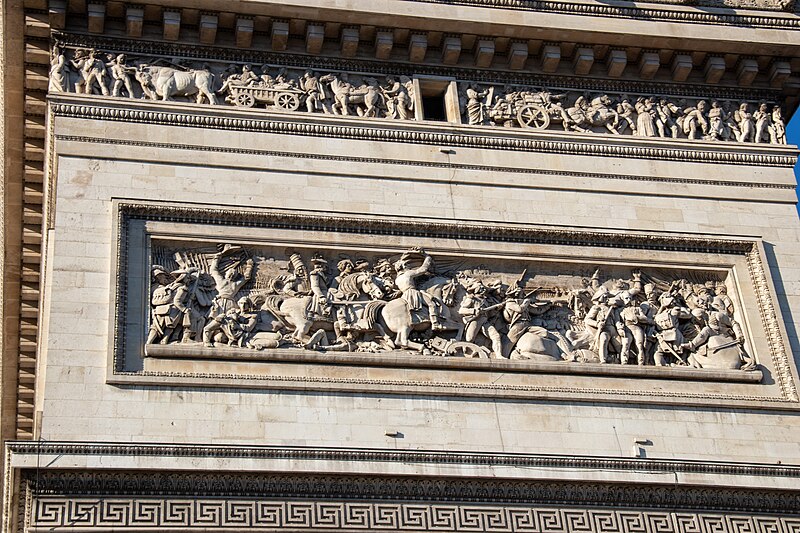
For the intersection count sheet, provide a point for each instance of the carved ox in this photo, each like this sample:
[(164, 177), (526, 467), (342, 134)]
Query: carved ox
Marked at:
[(167, 82)]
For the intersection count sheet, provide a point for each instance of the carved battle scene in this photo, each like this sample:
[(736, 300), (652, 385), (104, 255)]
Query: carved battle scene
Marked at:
[(297, 89), (253, 298)]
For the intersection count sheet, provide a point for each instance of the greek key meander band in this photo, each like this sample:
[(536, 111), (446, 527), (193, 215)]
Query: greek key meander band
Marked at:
[(171, 514)]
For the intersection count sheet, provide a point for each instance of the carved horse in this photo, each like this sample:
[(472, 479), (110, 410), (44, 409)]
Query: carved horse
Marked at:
[(394, 316), (356, 287), (598, 113), (346, 95)]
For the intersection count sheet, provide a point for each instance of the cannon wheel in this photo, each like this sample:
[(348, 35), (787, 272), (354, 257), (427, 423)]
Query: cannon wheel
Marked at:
[(468, 350), (244, 100), (287, 101), (533, 116)]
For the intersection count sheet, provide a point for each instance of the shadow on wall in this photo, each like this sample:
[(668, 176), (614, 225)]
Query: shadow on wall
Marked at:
[(780, 294), (793, 137)]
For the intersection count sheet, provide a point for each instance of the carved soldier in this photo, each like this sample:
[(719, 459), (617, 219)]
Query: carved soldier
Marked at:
[(744, 119), (319, 307), (778, 130), (406, 283), (627, 114), (398, 97), (228, 285), (238, 324), (721, 342), (164, 316), (315, 93), (119, 73), (606, 323), (635, 320), (480, 312), (517, 313), (666, 118), (763, 121), (92, 71), (668, 333), (58, 76), (185, 300), (695, 123)]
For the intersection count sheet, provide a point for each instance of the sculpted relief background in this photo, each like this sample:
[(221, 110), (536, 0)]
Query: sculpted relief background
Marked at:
[(403, 97), (229, 297)]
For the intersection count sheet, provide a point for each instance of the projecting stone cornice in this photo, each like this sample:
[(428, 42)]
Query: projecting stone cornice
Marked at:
[(619, 41), (422, 132), (376, 461)]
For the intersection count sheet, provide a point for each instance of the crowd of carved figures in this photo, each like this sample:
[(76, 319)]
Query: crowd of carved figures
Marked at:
[(340, 93), (230, 296)]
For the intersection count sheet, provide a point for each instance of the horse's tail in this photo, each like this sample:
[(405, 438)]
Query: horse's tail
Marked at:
[(372, 312)]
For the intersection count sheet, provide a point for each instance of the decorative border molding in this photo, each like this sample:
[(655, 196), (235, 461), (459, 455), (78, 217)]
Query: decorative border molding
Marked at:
[(349, 455), (168, 514), (128, 211), (113, 109), (430, 164), (636, 13), (115, 483)]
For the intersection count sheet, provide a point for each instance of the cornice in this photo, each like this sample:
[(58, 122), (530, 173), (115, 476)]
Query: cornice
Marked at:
[(451, 458), (718, 15), (216, 117)]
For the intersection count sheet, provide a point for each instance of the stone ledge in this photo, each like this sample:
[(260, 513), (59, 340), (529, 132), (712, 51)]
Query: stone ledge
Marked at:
[(407, 359), (423, 132)]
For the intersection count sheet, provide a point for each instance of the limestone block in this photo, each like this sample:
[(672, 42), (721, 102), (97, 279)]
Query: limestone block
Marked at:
[(746, 71), (315, 38), (172, 24), (550, 57), (583, 60), (649, 63), (208, 28), (681, 67), (349, 41), (384, 41), (484, 53), (96, 16), (616, 62), (714, 69), (779, 72), (244, 32), (134, 20), (451, 50), (280, 35), (517, 55), (417, 47)]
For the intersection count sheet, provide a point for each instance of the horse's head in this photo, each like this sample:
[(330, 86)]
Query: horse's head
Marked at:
[(368, 286)]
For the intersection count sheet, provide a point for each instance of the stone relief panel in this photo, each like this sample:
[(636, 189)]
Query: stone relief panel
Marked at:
[(302, 90), (280, 300), (436, 305)]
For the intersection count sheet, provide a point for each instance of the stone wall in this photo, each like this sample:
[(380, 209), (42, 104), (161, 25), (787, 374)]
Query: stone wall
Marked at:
[(101, 161)]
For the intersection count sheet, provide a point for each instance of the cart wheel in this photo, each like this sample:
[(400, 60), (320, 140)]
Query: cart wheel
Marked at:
[(533, 116), (468, 350), (245, 100), (287, 101)]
